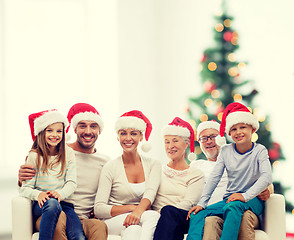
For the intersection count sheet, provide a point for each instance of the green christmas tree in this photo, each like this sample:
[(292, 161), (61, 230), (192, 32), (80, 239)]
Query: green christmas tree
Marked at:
[(222, 84)]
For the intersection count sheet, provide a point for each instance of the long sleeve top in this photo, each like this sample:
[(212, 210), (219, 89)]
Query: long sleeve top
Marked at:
[(89, 167), (114, 188), (42, 182), (249, 173), (179, 188), (207, 168)]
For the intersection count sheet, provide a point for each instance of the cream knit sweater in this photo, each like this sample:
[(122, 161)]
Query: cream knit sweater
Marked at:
[(114, 188), (179, 188)]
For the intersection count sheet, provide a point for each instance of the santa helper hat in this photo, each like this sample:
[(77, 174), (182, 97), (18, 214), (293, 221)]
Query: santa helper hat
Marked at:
[(83, 112), (207, 125), (179, 127), (40, 120), (135, 120), (233, 114)]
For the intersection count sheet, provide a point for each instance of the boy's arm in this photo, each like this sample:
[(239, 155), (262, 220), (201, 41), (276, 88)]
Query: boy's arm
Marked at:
[(264, 180), (265, 194), (212, 181)]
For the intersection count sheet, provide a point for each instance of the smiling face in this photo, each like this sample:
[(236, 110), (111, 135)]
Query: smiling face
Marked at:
[(54, 134), (87, 134), (241, 133), (209, 148), (129, 139), (175, 147)]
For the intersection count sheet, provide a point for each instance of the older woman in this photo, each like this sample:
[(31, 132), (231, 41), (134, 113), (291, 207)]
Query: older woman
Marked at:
[(181, 185), (128, 184)]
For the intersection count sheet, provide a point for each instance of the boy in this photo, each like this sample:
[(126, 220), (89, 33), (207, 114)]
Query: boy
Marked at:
[(249, 173)]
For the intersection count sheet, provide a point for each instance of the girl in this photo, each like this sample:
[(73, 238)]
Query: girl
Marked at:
[(55, 178), (128, 184)]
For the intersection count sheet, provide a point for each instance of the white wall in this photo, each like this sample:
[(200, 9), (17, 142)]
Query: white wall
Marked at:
[(156, 60), (53, 54)]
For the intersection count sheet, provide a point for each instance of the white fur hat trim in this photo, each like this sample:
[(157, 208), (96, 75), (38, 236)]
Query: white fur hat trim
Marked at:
[(130, 122), (176, 131), (87, 116), (47, 119), (241, 117), (206, 125)]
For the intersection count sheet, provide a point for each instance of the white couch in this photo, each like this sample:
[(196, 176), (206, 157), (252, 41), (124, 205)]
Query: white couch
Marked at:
[(275, 220)]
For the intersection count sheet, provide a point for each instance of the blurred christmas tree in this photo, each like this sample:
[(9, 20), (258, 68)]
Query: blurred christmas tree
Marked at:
[(222, 83)]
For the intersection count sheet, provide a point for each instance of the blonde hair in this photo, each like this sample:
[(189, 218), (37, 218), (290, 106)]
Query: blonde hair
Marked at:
[(41, 147)]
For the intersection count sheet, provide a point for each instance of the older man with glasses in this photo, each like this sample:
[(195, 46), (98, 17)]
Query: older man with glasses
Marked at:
[(206, 133)]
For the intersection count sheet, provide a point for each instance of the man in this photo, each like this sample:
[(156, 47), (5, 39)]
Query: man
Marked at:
[(87, 125), (206, 134)]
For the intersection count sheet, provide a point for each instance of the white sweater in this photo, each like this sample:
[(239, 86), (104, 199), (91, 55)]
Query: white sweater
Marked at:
[(114, 188), (181, 189), (89, 168)]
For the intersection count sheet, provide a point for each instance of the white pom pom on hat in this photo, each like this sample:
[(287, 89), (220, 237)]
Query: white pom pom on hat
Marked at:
[(136, 120), (179, 127)]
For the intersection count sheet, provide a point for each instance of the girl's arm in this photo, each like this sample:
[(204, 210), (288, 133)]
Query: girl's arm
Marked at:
[(70, 184), (28, 186)]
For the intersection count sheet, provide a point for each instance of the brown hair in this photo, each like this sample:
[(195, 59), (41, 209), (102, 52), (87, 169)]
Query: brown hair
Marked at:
[(40, 146)]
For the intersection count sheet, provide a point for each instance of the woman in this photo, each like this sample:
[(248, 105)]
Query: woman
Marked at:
[(128, 184), (181, 185)]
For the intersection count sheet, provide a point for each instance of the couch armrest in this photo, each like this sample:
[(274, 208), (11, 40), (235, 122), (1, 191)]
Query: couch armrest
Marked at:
[(22, 224), (275, 217)]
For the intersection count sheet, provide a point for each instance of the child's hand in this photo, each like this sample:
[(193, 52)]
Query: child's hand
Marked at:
[(54, 194), (236, 197), (264, 195), (194, 209), (42, 198)]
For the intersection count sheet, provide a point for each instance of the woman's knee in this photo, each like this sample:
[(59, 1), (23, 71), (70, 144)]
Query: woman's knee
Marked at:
[(168, 210)]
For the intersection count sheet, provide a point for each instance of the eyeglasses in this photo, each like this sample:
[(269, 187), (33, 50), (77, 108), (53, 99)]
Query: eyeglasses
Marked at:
[(205, 138)]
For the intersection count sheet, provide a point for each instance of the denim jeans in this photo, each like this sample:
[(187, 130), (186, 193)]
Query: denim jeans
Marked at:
[(50, 214)]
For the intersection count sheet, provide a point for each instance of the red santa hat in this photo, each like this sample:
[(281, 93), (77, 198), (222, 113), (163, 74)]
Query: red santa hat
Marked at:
[(83, 112), (40, 120), (179, 127), (135, 120), (207, 125), (233, 114)]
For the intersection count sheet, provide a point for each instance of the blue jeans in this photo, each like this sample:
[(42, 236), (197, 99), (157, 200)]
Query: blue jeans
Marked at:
[(50, 213), (172, 224), (231, 212)]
